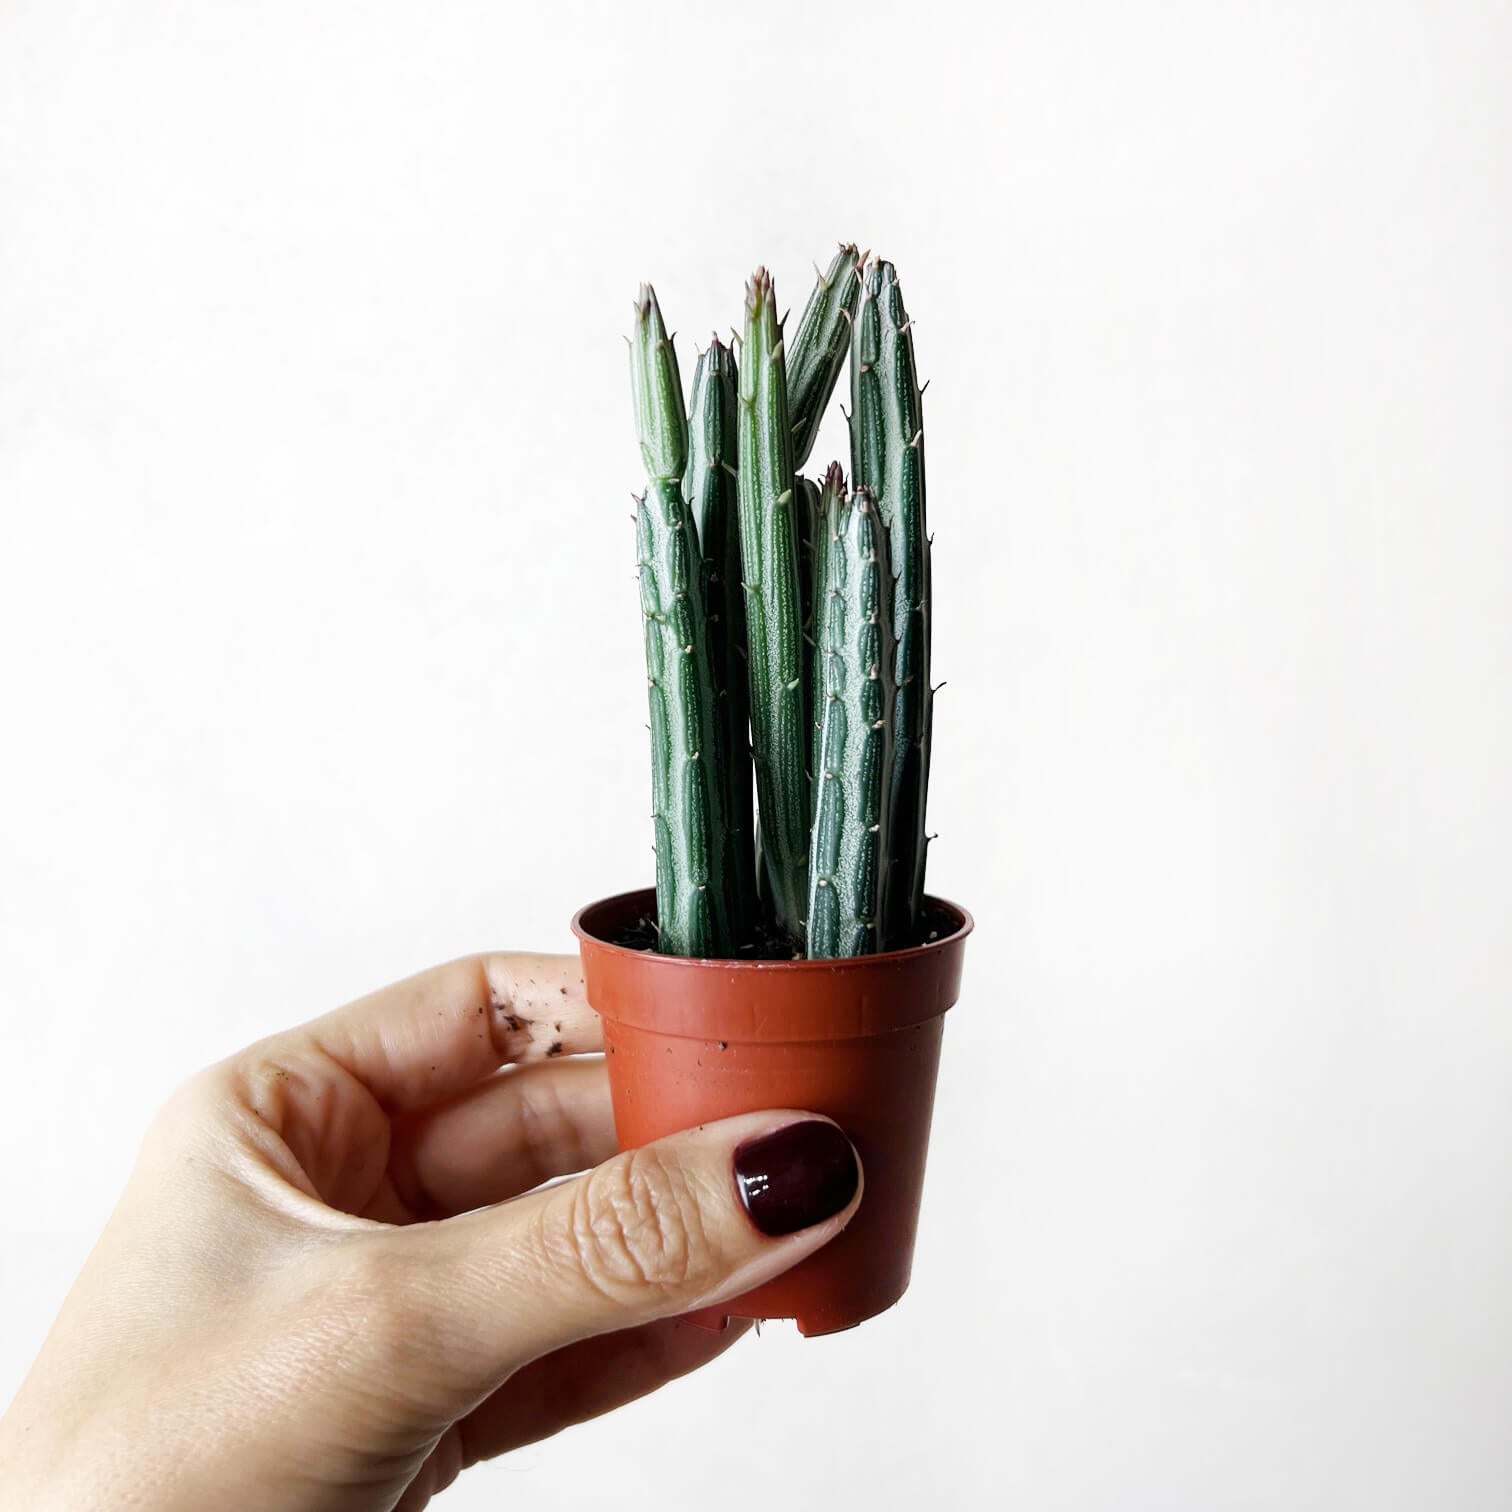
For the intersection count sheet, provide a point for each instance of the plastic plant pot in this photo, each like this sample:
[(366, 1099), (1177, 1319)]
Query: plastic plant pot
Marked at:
[(691, 1041)]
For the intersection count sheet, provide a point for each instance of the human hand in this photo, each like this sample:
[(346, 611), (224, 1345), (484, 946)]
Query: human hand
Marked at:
[(323, 1290)]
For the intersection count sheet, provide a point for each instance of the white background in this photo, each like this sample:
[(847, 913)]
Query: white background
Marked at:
[(321, 662)]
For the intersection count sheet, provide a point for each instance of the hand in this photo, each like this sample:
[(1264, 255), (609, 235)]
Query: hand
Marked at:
[(322, 1290)]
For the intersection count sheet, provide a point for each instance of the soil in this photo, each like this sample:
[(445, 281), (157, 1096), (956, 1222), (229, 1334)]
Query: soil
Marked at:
[(768, 946)]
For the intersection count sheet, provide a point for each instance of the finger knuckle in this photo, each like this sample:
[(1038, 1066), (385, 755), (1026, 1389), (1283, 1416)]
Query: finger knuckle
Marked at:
[(636, 1222)]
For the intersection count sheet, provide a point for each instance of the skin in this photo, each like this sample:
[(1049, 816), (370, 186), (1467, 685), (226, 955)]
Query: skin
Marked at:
[(331, 1284)]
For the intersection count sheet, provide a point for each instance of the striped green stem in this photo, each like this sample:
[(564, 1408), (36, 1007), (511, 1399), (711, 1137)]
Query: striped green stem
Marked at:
[(774, 612), (809, 529), (887, 456), (854, 692), (710, 486), (818, 349), (687, 790)]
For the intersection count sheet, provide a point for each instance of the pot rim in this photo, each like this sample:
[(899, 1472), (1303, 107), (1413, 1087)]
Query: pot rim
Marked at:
[(965, 925)]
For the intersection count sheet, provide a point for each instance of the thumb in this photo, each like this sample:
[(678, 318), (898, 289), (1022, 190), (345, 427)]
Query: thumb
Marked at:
[(693, 1219)]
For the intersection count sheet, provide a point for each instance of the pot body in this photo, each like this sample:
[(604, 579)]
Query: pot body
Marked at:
[(691, 1041)]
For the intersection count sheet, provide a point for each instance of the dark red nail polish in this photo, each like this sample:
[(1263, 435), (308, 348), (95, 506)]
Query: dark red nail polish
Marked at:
[(796, 1176)]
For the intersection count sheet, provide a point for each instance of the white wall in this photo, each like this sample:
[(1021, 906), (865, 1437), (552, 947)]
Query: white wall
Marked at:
[(320, 657)]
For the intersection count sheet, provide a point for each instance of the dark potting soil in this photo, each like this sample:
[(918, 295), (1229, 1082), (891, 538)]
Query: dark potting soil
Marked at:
[(642, 935)]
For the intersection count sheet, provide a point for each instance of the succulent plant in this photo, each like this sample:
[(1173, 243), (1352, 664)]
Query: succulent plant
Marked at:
[(787, 627), (887, 456), (810, 528), (774, 612), (819, 347), (853, 696), (688, 787), (709, 484)]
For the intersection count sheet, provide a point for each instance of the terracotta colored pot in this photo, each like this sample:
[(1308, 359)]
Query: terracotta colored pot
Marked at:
[(690, 1041)]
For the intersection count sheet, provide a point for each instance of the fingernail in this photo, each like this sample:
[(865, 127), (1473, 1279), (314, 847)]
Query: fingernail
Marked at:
[(796, 1176)]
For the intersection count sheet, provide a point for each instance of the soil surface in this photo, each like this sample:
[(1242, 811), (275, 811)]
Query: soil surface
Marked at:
[(642, 935)]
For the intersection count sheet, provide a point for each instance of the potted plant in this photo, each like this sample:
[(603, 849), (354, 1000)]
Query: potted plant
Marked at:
[(788, 955)]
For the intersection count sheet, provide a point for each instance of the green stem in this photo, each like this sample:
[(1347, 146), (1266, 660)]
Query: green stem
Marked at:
[(774, 612)]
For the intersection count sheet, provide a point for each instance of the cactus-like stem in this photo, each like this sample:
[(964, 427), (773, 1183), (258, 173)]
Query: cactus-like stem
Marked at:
[(808, 506), (854, 690), (887, 456), (818, 530), (711, 493), (688, 790), (774, 611), (656, 386), (818, 349), (826, 504), (810, 528)]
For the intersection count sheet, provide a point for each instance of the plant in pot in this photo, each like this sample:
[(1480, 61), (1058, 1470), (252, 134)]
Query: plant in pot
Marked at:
[(788, 955)]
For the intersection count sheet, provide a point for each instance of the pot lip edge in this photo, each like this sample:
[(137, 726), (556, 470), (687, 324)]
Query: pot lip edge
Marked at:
[(585, 936)]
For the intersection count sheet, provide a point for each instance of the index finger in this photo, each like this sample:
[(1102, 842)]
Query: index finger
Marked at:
[(438, 1033)]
